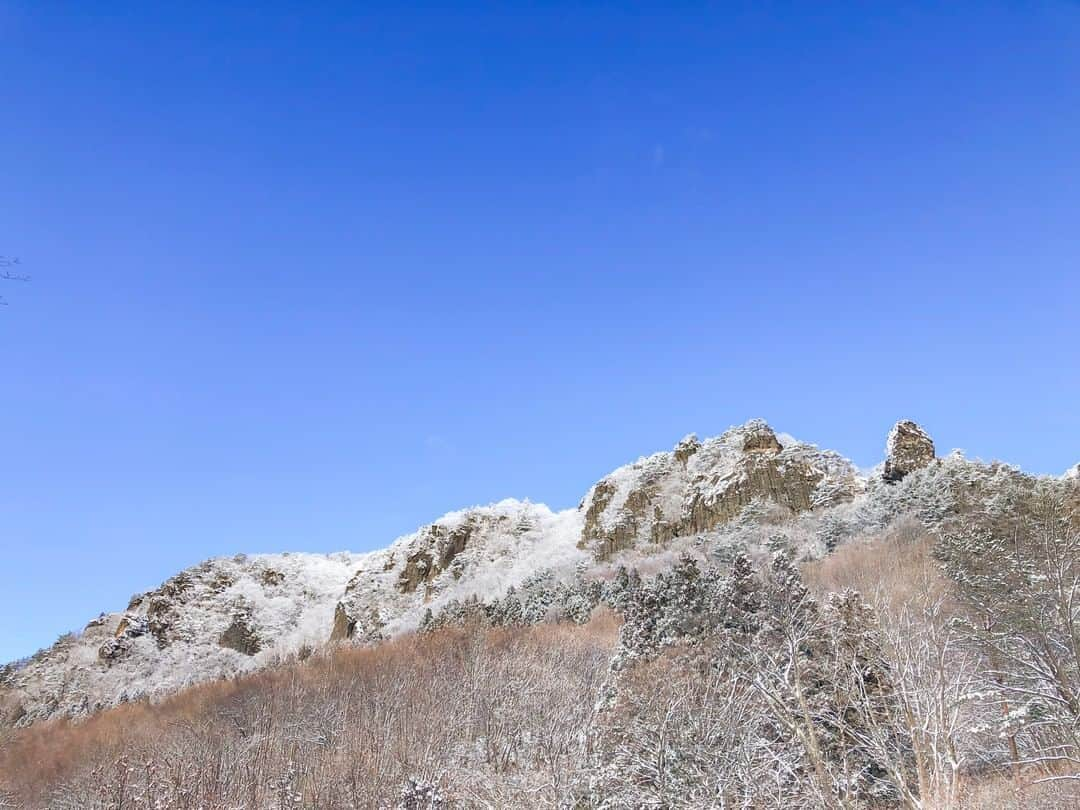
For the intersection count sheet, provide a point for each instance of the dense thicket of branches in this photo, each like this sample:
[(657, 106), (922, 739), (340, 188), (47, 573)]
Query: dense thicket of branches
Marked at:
[(491, 718), (937, 666)]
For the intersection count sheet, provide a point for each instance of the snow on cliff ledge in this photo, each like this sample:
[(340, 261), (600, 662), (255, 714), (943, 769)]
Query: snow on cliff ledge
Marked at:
[(222, 617), (231, 615)]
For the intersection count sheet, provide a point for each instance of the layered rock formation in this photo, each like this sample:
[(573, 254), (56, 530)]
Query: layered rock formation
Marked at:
[(692, 489), (701, 485), (907, 449)]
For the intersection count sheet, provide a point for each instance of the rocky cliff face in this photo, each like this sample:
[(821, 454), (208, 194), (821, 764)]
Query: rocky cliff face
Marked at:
[(232, 615), (219, 618), (644, 505), (479, 551), (907, 449), (699, 486)]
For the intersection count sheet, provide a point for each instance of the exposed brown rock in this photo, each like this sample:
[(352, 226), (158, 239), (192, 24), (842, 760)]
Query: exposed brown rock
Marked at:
[(240, 636), (760, 438), (112, 649), (365, 628), (686, 448), (442, 546), (908, 448), (220, 582), (271, 578), (791, 485), (130, 627), (161, 615), (599, 500), (419, 568), (699, 486), (176, 586), (344, 625)]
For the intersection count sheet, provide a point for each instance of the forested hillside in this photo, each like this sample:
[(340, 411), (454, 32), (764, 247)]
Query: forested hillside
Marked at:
[(911, 641)]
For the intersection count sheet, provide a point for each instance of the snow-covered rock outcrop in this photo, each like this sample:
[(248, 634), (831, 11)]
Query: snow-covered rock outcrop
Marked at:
[(907, 449), (701, 485), (480, 551), (232, 615), (222, 617)]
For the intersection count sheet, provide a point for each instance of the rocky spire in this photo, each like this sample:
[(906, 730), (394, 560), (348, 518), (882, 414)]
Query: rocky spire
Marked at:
[(908, 448)]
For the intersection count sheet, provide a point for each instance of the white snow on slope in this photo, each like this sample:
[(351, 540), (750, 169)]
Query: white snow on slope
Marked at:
[(508, 541), (172, 637), (233, 615), (288, 599)]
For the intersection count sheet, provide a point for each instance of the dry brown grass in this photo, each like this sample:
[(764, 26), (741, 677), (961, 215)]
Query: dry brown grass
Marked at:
[(895, 572), (492, 715), (496, 718), (890, 569), (1000, 792)]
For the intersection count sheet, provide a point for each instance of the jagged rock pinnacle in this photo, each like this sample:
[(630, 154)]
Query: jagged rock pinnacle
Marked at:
[(907, 449)]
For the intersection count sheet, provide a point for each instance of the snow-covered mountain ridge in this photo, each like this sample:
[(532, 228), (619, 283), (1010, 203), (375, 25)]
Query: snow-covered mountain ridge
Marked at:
[(232, 615)]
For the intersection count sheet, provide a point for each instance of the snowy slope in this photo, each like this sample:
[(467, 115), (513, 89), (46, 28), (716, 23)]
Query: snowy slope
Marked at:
[(232, 615), (180, 633), (480, 551)]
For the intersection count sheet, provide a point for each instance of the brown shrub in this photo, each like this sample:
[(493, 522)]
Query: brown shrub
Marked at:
[(891, 568), (495, 717)]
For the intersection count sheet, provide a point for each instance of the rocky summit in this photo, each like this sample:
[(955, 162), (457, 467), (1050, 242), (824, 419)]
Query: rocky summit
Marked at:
[(748, 489), (701, 485), (907, 449)]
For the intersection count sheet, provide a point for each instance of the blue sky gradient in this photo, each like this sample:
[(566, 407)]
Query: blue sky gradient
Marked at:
[(308, 275)]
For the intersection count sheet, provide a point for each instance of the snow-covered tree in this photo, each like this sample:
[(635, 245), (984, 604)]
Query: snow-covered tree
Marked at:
[(1020, 595)]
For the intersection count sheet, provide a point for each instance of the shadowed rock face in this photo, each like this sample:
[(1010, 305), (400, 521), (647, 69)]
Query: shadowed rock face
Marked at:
[(758, 437), (365, 627), (479, 550), (129, 628), (344, 624), (442, 546), (699, 486), (240, 636), (907, 449)]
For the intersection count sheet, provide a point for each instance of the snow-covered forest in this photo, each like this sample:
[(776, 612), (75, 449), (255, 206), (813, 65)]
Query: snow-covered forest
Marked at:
[(914, 644)]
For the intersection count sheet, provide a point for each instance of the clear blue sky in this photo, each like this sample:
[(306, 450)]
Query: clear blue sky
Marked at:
[(308, 275)]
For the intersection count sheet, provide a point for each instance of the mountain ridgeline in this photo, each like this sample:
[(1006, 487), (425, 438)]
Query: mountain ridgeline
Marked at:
[(748, 491)]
